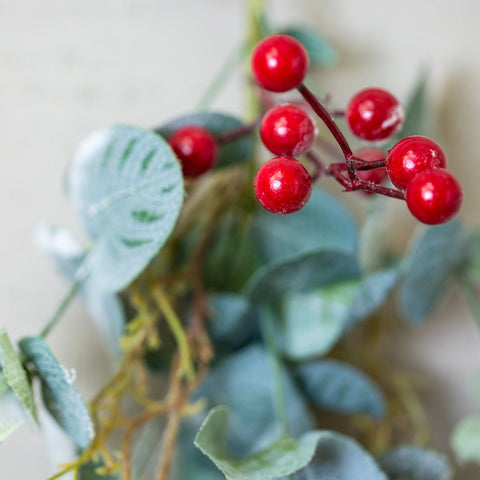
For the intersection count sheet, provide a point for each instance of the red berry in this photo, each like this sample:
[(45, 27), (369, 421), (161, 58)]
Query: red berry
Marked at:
[(196, 149), (412, 155), (434, 196), (287, 130), (374, 114), (279, 63), (376, 175), (283, 185)]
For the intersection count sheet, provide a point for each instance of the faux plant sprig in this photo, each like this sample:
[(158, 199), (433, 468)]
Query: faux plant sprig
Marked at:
[(251, 322)]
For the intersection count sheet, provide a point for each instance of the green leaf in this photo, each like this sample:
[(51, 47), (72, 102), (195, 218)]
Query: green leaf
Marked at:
[(104, 307), (323, 224), (314, 321), (340, 458), (473, 268), (284, 457), (320, 51), (236, 151), (8, 426), (465, 439), (88, 471), (302, 273), (435, 258), (340, 387), (16, 376), (244, 381), (60, 397), (412, 463), (127, 188), (3, 384)]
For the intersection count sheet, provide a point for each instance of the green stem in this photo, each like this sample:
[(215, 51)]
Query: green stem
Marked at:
[(268, 331), (222, 77)]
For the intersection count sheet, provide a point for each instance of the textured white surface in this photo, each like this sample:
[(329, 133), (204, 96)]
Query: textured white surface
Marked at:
[(71, 66)]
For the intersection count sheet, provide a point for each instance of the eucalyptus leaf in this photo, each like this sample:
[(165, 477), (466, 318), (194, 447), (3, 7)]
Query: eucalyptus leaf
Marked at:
[(336, 386), (60, 397), (236, 151), (314, 321), (244, 381), (88, 471), (8, 426), (435, 258), (284, 457), (301, 273), (412, 463), (320, 51), (323, 224), (474, 261), (16, 376), (465, 440), (126, 185), (4, 388), (338, 457), (105, 308)]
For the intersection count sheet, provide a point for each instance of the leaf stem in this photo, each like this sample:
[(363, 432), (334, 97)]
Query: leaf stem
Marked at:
[(268, 332)]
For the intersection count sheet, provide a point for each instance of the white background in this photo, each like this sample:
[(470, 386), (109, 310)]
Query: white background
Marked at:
[(68, 67)]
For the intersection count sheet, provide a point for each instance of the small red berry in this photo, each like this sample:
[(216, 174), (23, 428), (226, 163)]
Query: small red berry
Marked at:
[(376, 175), (283, 185), (279, 63), (196, 149), (434, 196), (374, 114), (410, 156), (287, 130)]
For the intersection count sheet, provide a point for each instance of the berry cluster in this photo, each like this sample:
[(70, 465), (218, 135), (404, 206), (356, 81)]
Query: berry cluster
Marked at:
[(415, 165)]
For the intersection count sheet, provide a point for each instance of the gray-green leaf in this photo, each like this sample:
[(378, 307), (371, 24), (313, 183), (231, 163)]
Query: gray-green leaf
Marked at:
[(127, 188), (435, 258), (61, 398), (232, 152), (8, 426), (465, 439), (15, 375), (284, 457), (340, 387), (412, 463)]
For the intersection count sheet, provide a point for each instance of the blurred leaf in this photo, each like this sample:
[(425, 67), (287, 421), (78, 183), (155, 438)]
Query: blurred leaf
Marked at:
[(314, 321), (301, 273), (465, 440), (340, 387), (323, 224), (320, 51), (126, 186), (104, 307), (284, 457), (473, 268), (412, 463), (7, 427), (16, 376), (236, 151), (146, 444), (338, 457), (3, 383), (88, 472), (435, 258), (61, 398), (244, 382)]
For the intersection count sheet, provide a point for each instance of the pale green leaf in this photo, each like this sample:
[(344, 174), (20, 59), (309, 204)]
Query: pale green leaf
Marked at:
[(126, 185), (216, 123), (8, 426), (465, 439), (412, 463), (284, 457), (61, 398), (336, 386), (15, 375)]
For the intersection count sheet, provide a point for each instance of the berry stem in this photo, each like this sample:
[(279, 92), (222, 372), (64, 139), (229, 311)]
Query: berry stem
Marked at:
[(239, 132), (318, 165)]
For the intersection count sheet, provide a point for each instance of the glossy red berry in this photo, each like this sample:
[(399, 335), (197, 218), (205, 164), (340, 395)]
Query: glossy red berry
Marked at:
[(283, 185), (196, 149), (279, 63), (410, 156), (434, 196), (287, 130), (376, 175), (374, 114)]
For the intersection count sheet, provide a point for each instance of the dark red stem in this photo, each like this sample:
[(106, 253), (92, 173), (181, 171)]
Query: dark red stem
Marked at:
[(239, 132)]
